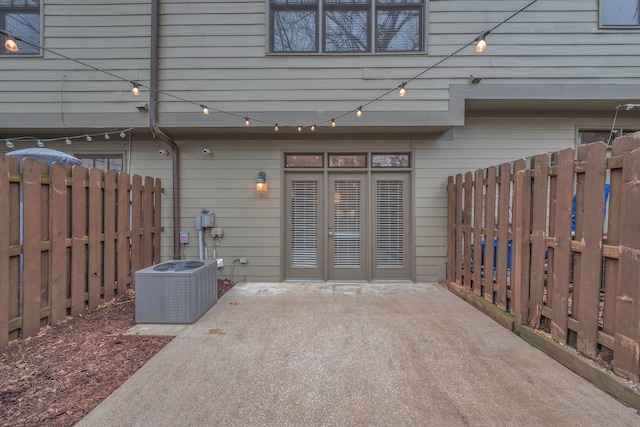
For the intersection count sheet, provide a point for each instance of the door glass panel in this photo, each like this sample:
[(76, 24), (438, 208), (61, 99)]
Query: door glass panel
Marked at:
[(389, 224), (346, 224), (304, 224)]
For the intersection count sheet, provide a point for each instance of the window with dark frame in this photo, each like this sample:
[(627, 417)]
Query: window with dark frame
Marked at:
[(588, 136), (21, 18), (114, 162), (620, 13), (346, 26)]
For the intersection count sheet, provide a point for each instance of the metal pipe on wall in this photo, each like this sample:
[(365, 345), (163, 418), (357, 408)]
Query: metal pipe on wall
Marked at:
[(155, 127)]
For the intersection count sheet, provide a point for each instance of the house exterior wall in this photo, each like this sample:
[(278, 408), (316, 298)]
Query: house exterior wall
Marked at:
[(548, 72)]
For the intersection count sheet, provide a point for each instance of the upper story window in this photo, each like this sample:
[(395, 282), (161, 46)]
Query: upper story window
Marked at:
[(347, 26), (102, 161), (619, 13), (21, 18)]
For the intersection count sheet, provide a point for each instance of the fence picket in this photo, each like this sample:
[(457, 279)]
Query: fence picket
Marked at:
[(59, 233), (590, 212), (627, 343), (147, 222), (78, 233), (478, 197), (451, 228), (123, 260), (468, 212), (109, 262), (540, 165), (157, 219), (490, 224), (504, 199), (459, 234), (5, 169), (96, 210)]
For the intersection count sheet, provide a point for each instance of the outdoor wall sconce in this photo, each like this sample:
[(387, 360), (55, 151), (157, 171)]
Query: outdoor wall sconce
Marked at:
[(261, 183)]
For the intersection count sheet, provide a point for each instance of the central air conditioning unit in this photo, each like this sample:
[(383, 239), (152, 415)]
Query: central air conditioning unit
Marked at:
[(175, 291)]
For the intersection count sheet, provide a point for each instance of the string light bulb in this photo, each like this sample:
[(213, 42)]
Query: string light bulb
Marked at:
[(40, 144), (9, 144), (333, 123), (299, 128), (89, 138), (313, 128), (276, 128), (205, 109), (359, 112), (247, 122), (106, 136), (67, 141), (402, 91), (10, 44), (123, 135), (135, 90), (481, 43)]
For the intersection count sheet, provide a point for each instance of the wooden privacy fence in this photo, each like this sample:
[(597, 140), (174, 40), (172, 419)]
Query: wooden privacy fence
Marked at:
[(542, 241), (70, 238)]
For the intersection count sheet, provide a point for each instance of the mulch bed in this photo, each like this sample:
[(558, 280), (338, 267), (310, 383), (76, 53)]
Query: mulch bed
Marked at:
[(58, 376)]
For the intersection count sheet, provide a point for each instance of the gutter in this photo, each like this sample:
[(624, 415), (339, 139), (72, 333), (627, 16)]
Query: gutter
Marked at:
[(155, 127)]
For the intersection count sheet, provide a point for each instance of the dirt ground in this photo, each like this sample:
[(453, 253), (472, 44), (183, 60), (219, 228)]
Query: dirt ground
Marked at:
[(58, 376)]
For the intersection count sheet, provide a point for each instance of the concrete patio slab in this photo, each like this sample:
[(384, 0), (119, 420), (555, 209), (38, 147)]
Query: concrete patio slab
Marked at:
[(274, 354)]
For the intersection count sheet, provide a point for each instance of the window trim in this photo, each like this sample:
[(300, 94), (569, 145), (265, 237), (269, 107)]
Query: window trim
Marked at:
[(372, 29)]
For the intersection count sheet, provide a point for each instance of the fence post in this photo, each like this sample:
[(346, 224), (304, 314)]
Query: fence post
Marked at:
[(5, 167), (627, 343)]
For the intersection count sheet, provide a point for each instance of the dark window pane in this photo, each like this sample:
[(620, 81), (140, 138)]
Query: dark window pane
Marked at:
[(347, 160), (346, 31), (27, 27), (294, 31), (398, 30), (303, 160), (401, 160), (589, 136)]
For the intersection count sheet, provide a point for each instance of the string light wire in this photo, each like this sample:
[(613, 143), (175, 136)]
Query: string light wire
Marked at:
[(274, 124)]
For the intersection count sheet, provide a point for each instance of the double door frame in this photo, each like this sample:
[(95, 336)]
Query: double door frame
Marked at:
[(325, 270)]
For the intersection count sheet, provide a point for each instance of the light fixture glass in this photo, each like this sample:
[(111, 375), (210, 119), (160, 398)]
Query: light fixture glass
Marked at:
[(135, 90), (40, 144), (402, 91), (333, 123), (9, 144), (205, 109), (359, 112), (247, 122), (482, 44), (261, 182), (89, 138), (10, 44)]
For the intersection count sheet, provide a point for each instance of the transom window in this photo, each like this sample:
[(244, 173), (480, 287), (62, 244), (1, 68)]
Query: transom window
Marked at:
[(21, 18), (347, 26), (605, 135), (619, 13), (112, 162)]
